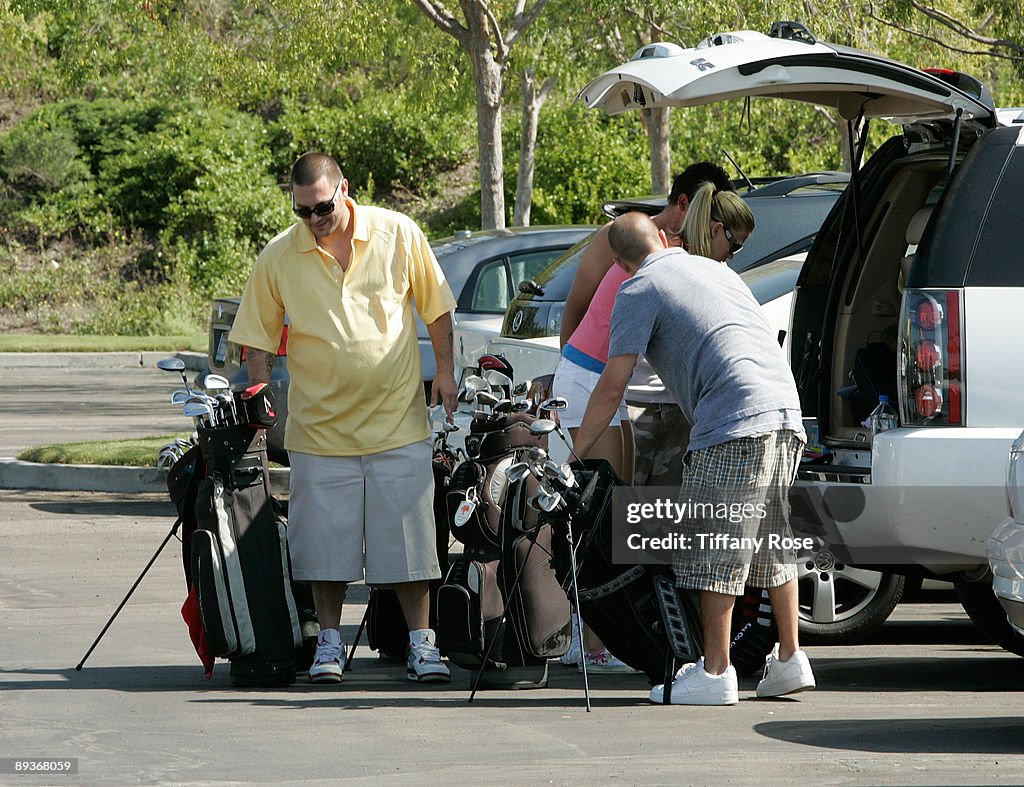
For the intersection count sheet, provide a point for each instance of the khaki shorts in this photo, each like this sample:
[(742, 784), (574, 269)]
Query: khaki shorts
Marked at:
[(377, 511)]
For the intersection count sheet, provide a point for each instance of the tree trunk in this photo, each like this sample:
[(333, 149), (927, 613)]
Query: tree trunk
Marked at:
[(656, 121), (533, 100), (489, 90)]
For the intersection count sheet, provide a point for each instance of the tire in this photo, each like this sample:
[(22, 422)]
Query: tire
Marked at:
[(840, 603), (987, 614)]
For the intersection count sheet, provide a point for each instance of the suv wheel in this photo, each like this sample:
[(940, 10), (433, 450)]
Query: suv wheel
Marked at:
[(987, 614), (841, 603)]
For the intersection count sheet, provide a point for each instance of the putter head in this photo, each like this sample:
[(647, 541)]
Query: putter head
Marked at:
[(542, 426)]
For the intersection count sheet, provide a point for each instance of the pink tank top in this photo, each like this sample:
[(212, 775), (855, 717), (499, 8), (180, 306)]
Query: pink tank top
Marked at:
[(592, 334)]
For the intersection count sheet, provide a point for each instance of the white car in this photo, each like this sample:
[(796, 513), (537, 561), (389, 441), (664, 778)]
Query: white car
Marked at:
[(911, 290), (1006, 544)]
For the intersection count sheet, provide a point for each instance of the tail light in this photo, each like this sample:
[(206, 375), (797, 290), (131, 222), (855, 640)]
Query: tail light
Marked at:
[(282, 348), (931, 365)]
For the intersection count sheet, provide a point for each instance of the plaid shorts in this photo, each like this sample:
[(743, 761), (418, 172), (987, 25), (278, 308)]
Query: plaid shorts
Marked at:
[(737, 494)]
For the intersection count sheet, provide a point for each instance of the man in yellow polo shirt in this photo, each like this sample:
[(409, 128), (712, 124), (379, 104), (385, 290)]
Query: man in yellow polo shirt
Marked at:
[(357, 435)]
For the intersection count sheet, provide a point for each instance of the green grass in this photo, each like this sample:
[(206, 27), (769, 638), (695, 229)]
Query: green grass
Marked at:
[(141, 452), (74, 343), (44, 343)]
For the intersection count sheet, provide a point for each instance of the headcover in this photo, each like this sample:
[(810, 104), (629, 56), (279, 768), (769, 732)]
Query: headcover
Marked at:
[(498, 362), (257, 406)]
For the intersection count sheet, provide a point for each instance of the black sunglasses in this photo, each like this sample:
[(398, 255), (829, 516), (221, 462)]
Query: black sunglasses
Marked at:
[(320, 209), (733, 245)]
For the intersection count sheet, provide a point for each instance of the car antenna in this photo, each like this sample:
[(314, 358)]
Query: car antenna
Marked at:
[(749, 182)]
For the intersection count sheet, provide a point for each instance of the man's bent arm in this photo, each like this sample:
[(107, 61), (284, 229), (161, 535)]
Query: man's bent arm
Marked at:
[(259, 364), (443, 390), (594, 264), (604, 401)]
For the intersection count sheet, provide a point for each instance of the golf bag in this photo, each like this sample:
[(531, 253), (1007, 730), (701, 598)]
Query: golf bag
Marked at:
[(636, 610), (386, 629), (235, 552), (501, 595)]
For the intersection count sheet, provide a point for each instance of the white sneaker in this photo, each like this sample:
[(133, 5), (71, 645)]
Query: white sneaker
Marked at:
[(575, 653), (694, 686), (424, 663), (329, 662), (785, 677)]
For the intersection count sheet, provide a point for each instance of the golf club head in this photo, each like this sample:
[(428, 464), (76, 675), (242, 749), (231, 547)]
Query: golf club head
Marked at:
[(171, 364), (542, 426), (180, 396), (197, 409), (498, 379), (517, 472), (549, 502), (503, 406), (523, 388), (487, 399), (537, 455), (216, 382), (520, 407), (555, 403)]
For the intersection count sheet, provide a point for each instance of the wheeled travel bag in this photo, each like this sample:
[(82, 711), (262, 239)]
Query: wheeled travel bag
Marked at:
[(636, 610), (239, 561)]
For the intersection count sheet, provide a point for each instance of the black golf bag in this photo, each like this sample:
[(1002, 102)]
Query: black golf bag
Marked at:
[(636, 610), (501, 609), (235, 553)]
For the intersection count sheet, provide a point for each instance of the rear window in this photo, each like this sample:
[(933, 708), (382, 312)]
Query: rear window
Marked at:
[(1002, 233)]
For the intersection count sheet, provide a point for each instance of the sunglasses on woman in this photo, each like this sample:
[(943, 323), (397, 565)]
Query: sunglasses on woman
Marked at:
[(733, 245), (320, 209)]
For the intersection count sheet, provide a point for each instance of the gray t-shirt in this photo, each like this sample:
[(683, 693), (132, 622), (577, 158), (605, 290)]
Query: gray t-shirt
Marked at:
[(705, 334)]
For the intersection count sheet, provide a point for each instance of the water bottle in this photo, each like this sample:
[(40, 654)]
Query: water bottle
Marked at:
[(883, 417)]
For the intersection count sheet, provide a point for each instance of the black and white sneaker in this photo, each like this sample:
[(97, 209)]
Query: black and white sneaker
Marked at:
[(424, 663)]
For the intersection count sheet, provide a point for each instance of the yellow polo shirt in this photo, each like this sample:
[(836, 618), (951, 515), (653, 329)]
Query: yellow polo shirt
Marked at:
[(356, 381)]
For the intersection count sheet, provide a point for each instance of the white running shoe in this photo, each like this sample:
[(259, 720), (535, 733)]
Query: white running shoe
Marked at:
[(329, 662), (424, 664), (785, 677)]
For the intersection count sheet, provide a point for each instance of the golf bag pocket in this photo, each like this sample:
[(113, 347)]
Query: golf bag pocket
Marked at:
[(475, 497), (538, 607), (469, 612), (217, 574)]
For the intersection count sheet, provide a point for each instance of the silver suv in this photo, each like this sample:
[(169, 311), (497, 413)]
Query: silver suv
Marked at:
[(911, 289)]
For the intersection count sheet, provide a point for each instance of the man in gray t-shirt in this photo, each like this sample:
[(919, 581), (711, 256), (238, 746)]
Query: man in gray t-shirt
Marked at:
[(705, 335)]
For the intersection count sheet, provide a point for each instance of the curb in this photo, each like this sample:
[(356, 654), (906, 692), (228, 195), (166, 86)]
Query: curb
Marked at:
[(15, 474), (88, 360)]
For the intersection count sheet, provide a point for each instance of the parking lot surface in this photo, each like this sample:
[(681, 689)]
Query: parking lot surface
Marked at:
[(926, 702)]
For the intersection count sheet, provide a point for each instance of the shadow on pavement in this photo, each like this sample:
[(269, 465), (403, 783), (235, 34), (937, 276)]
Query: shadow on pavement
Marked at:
[(988, 735), (85, 506), (959, 673)]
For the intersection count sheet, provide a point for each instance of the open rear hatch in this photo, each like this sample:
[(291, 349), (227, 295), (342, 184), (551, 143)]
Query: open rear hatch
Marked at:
[(799, 68)]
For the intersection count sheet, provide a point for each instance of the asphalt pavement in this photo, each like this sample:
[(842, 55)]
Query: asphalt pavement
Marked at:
[(927, 701)]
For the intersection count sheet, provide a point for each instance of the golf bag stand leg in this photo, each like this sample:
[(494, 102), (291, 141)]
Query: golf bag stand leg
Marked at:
[(152, 560), (355, 642), (576, 606)]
